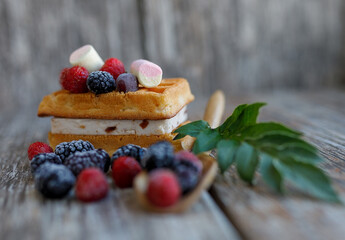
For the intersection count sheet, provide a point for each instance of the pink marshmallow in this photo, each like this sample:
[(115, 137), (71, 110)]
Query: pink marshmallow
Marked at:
[(148, 73)]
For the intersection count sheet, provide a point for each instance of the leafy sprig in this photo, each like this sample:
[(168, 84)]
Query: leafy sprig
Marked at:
[(277, 151)]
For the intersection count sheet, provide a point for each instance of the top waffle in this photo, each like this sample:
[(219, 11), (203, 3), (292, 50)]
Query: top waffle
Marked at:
[(161, 102)]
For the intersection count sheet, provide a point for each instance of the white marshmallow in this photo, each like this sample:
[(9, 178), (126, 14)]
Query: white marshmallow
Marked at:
[(87, 57)]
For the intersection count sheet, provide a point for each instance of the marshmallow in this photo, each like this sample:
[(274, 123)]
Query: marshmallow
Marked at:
[(148, 74), (87, 57)]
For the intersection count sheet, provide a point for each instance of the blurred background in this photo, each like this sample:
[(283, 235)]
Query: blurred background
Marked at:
[(240, 46)]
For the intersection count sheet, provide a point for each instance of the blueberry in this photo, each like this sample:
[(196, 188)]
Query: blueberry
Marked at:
[(53, 180), (127, 82), (100, 82), (158, 155)]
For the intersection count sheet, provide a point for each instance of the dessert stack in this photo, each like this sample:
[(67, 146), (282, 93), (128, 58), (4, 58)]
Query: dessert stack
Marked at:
[(101, 103)]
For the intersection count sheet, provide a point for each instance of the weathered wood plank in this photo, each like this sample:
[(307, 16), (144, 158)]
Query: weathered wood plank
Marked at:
[(260, 214), (243, 46), (26, 215), (239, 46), (38, 36)]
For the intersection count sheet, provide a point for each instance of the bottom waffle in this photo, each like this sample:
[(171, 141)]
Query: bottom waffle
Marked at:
[(111, 143)]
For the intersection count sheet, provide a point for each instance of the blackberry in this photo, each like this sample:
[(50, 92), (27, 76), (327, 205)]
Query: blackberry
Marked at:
[(187, 174), (81, 160), (42, 158), (129, 150), (159, 155), (104, 158), (100, 82), (54, 181), (65, 149)]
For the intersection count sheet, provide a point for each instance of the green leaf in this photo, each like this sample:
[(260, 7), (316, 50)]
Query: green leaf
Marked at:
[(277, 150), (281, 141), (191, 129), (233, 117), (308, 178), (246, 118), (206, 140), (270, 174), (226, 150), (296, 151), (260, 129), (246, 161)]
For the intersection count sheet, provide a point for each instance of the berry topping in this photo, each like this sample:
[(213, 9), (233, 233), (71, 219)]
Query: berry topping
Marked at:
[(42, 158), (91, 185), (100, 82), (64, 149), (113, 66), (127, 82), (38, 147), (124, 171), (159, 155), (129, 150), (163, 188), (79, 161), (74, 79), (54, 181)]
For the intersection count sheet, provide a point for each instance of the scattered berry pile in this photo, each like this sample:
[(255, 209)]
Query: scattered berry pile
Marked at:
[(55, 172), (170, 175), (78, 164)]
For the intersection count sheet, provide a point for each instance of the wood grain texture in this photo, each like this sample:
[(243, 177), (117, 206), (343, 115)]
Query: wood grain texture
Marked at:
[(238, 46), (260, 214), (26, 215)]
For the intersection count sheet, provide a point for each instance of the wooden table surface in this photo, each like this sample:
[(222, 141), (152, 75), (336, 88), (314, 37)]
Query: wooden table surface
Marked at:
[(230, 210)]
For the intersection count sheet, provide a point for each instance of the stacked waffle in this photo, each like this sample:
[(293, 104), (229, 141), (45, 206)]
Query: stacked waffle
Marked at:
[(114, 119)]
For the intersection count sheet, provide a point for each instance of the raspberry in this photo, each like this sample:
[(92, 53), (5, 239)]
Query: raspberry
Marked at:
[(127, 82), (91, 185), (129, 150), (159, 155), (163, 188), (82, 160), (64, 149), (124, 170), (54, 181), (100, 82), (38, 147), (113, 66), (74, 79), (42, 158)]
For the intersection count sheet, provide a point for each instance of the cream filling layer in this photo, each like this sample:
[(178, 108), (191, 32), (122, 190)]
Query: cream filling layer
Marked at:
[(117, 127)]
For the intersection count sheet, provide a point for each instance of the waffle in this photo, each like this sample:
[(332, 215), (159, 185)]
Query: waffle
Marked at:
[(111, 143), (161, 102)]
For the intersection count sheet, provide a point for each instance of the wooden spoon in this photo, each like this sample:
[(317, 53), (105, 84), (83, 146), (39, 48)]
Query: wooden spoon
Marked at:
[(213, 115)]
